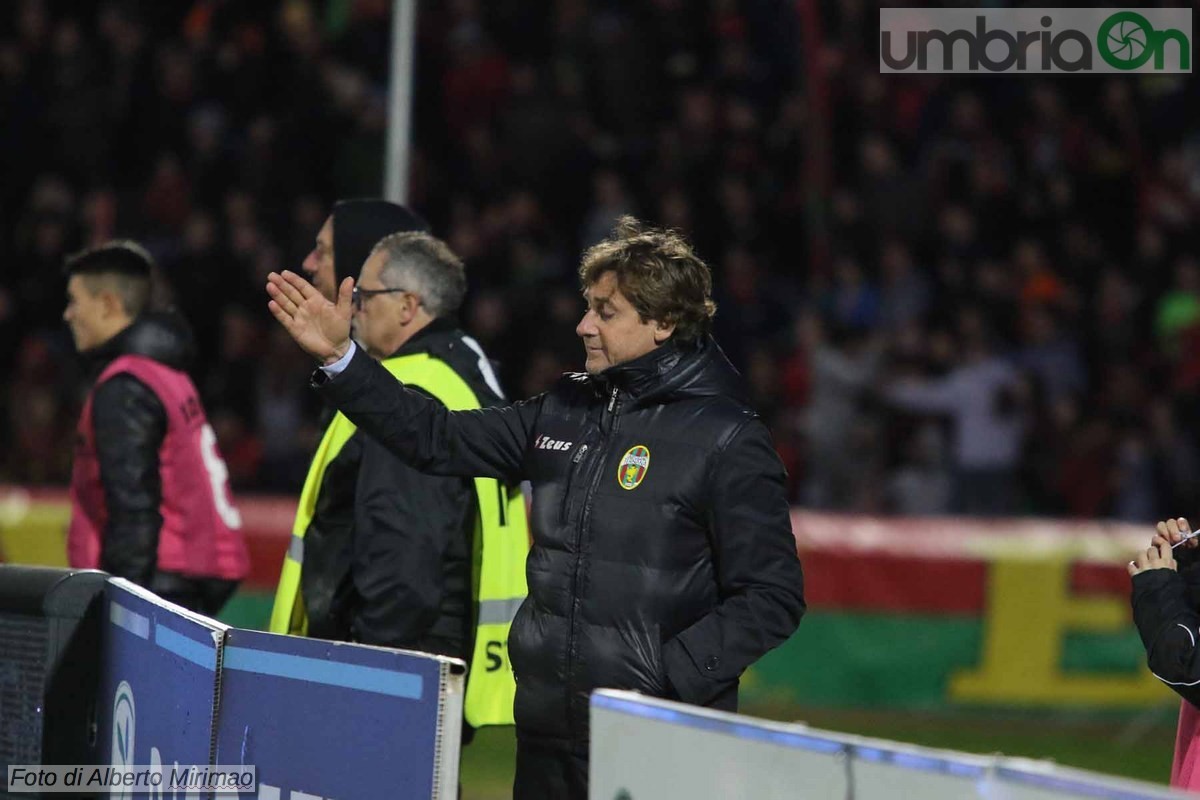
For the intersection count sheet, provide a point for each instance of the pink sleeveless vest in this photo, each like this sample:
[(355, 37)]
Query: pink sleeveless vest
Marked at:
[(200, 535), (1184, 774)]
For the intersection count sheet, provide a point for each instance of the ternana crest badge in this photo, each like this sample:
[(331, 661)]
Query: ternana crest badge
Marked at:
[(633, 466)]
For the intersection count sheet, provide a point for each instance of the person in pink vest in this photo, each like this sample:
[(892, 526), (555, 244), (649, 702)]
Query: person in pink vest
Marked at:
[(150, 500), (1166, 611)]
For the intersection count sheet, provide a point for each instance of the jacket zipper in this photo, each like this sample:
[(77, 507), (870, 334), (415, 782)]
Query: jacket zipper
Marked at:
[(565, 509), (585, 514)]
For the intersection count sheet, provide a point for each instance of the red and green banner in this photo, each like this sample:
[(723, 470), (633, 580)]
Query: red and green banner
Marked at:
[(903, 612), (923, 613)]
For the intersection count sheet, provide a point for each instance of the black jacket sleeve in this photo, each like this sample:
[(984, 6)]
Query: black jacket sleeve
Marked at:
[(405, 522), (759, 578), (488, 442), (1169, 626), (129, 423)]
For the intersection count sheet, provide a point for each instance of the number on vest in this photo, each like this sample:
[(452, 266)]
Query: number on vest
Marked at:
[(218, 475)]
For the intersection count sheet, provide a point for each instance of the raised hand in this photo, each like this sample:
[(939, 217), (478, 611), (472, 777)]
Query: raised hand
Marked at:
[(1176, 530), (321, 328), (1157, 556)]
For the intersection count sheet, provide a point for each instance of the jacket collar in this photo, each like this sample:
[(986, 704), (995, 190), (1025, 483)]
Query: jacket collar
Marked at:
[(424, 339), (162, 336), (641, 376), (673, 371)]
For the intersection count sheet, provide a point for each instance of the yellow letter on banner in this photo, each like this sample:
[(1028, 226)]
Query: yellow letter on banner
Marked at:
[(1030, 612)]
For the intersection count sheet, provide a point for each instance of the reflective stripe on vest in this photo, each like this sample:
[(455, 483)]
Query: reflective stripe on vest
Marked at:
[(501, 532)]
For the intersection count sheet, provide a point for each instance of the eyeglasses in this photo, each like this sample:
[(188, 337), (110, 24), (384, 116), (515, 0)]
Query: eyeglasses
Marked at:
[(361, 296)]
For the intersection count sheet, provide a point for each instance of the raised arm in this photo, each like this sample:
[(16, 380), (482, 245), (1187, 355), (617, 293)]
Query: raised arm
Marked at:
[(489, 442), (1165, 616), (421, 432)]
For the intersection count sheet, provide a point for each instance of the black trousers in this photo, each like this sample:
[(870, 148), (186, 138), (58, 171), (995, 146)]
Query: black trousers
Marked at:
[(545, 773)]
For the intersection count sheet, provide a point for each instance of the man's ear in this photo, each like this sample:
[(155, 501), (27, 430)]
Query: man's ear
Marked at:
[(663, 331), (410, 307), (110, 301)]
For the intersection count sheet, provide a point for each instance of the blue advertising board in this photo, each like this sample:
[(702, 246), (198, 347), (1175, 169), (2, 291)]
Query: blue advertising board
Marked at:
[(157, 685), (321, 719)]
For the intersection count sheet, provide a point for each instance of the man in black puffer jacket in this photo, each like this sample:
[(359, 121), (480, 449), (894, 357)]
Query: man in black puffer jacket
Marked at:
[(663, 559)]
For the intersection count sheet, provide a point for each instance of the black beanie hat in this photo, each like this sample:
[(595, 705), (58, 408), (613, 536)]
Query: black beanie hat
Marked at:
[(358, 225)]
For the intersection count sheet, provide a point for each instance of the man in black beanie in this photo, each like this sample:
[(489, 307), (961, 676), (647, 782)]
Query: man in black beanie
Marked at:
[(380, 553), (313, 601), (346, 239)]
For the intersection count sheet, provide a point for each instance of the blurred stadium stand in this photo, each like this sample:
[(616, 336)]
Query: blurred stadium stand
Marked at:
[(1020, 250)]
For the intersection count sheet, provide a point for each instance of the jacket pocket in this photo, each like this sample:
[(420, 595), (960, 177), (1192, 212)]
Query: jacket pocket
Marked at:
[(660, 666), (643, 659)]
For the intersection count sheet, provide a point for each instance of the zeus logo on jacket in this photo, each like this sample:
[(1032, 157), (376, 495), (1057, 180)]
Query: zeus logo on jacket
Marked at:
[(546, 443)]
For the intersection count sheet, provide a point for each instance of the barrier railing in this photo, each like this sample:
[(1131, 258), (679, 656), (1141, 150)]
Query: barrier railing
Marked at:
[(646, 748)]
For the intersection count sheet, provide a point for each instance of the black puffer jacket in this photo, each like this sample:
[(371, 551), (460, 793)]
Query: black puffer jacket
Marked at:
[(1166, 611), (130, 423), (663, 559)]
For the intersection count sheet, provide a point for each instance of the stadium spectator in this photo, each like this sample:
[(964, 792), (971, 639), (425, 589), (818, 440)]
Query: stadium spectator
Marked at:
[(179, 124), (663, 559), (982, 395), (149, 493)]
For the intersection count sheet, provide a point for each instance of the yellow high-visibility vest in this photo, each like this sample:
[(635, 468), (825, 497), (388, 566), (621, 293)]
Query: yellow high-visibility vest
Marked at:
[(501, 546)]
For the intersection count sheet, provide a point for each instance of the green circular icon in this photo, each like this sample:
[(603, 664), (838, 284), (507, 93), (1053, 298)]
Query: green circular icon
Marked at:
[(1125, 40)]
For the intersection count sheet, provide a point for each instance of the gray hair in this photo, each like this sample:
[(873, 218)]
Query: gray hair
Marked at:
[(426, 266)]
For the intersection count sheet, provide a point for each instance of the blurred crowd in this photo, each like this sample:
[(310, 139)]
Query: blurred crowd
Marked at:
[(947, 294)]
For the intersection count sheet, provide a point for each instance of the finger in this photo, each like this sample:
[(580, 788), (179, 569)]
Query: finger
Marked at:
[(297, 284), (280, 298), (1186, 528), (1163, 550), (1173, 529), (1161, 527), (345, 296), (284, 318), (288, 289), (1132, 568)]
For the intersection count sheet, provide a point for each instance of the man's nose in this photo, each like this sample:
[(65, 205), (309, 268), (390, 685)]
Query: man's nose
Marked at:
[(585, 327)]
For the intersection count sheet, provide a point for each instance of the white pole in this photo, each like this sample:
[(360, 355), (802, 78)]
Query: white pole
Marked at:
[(399, 133)]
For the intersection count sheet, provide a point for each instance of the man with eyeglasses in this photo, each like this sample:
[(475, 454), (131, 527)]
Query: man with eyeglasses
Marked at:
[(383, 554)]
